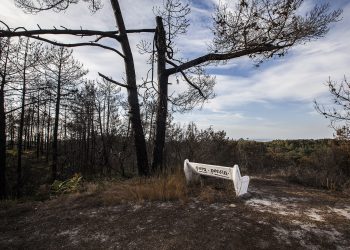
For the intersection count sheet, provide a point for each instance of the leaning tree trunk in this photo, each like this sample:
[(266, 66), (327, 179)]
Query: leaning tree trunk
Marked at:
[(134, 107), (162, 105), (3, 193)]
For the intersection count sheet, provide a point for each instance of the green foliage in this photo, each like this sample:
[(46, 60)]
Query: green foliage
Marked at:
[(71, 185)]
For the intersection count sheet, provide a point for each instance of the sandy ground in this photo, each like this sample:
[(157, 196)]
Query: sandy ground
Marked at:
[(277, 215)]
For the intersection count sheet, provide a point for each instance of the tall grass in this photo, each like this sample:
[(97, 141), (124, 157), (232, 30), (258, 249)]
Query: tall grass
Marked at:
[(161, 188), (165, 187)]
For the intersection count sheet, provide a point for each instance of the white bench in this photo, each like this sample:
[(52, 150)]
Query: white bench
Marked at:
[(193, 170)]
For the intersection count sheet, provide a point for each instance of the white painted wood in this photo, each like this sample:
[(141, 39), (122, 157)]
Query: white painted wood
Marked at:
[(240, 183), (193, 170), (191, 176)]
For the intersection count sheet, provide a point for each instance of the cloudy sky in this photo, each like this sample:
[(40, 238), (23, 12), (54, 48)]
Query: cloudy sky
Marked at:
[(274, 101)]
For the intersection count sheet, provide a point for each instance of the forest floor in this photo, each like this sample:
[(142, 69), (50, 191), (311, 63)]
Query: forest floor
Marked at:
[(276, 215)]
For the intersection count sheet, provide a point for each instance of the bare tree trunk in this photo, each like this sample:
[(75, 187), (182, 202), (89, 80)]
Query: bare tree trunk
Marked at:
[(55, 128), (162, 109), (3, 193), (151, 126), (93, 141), (38, 129), (65, 123), (122, 156), (25, 132), (107, 139), (87, 152), (134, 108), (31, 126), (12, 136), (104, 148), (21, 125), (42, 141), (48, 132)]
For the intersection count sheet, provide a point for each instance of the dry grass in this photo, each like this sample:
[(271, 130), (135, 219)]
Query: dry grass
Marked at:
[(167, 187), (215, 190), (161, 188)]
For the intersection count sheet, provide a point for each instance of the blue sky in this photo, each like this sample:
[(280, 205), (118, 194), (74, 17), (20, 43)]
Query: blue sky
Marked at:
[(274, 101)]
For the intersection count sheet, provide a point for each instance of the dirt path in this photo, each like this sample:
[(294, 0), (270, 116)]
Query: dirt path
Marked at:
[(278, 215)]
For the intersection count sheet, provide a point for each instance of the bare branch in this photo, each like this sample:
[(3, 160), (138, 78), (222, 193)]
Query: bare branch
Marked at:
[(339, 110), (77, 44), (221, 57), (35, 6), (141, 31), (187, 80), (113, 81), (8, 28), (27, 104), (81, 32)]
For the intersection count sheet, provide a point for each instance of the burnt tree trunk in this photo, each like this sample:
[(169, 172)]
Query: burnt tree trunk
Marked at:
[(162, 108), (104, 146), (3, 193), (38, 136), (48, 132), (21, 126), (31, 127), (134, 107), (55, 128), (122, 154)]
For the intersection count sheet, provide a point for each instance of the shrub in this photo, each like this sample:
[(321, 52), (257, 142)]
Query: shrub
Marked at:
[(71, 185)]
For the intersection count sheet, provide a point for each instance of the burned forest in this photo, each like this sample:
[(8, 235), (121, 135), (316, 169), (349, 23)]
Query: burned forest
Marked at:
[(112, 115)]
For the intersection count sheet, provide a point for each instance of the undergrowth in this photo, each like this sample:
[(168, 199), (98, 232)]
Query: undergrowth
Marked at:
[(71, 185), (165, 187)]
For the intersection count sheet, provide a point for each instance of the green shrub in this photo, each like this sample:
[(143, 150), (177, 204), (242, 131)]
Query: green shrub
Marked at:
[(71, 185)]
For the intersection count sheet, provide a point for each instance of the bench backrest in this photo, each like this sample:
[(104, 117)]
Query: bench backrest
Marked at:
[(193, 171)]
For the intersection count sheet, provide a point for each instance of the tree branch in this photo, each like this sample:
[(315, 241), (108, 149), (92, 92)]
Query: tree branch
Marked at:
[(222, 57), (27, 104), (81, 32), (77, 44), (141, 31), (113, 81), (186, 78), (8, 28)]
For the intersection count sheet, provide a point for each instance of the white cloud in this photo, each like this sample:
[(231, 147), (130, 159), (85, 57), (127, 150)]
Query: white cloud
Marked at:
[(297, 77)]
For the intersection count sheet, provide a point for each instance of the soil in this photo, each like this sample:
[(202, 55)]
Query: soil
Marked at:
[(275, 215)]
